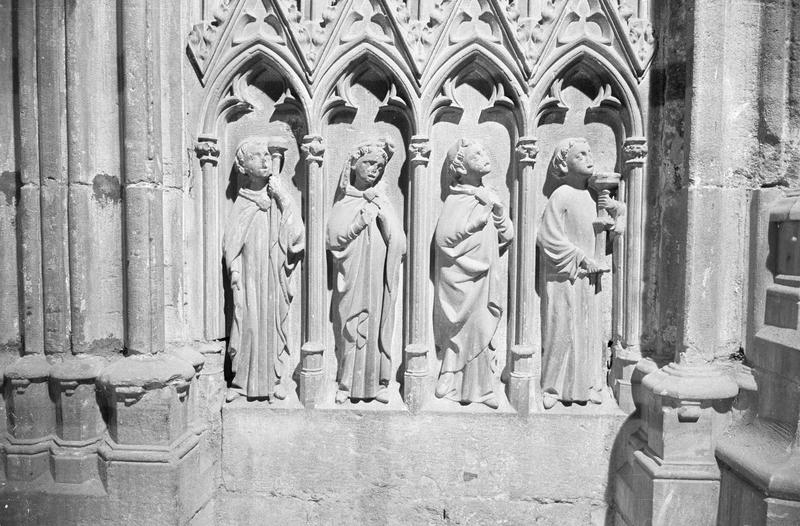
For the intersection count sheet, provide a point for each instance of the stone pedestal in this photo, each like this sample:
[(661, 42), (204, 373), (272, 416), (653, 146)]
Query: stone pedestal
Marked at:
[(31, 418), (520, 381), (671, 475), (148, 414), (415, 376), (79, 422), (312, 376)]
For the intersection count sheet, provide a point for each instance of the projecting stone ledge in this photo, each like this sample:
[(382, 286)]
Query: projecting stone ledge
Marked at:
[(283, 466)]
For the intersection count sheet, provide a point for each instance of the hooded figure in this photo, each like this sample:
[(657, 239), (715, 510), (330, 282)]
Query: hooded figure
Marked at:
[(367, 245), (264, 240), (472, 229)]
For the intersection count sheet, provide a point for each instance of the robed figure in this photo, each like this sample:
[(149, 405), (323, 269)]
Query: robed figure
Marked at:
[(367, 244), (263, 243), (572, 338), (472, 230)]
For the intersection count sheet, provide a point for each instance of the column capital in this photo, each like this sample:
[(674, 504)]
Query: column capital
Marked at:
[(420, 149), (527, 150), (634, 152), (313, 148), (206, 149)]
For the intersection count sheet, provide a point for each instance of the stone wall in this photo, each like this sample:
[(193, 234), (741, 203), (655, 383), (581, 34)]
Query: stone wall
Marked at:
[(120, 122)]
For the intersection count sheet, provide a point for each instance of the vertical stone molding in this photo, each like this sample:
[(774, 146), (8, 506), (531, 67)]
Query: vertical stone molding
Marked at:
[(526, 347), (143, 193), (29, 217), (627, 277), (53, 177), (31, 418), (313, 349), (672, 471), (79, 421), (207, 153), (415, 354)]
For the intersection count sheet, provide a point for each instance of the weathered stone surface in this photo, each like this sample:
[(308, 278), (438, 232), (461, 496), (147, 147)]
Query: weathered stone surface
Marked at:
[(360, 465)]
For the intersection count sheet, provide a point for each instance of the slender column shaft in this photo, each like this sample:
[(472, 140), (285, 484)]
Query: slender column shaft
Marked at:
[(635, 155), (208, 153), (315, 319), (51, 84), (417, 276), (311, 374), (29, 218), (144, 243), (525, 361), (95, 262)]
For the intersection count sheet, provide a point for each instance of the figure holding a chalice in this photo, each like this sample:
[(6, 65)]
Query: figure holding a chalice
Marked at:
[(264, 240), (572, 240)]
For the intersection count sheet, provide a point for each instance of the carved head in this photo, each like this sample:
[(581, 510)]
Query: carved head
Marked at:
[(253, 158), (572, 157), (365, 164), (468, 159)]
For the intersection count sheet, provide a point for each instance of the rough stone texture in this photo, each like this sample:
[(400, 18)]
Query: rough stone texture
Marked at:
[(373, 467)]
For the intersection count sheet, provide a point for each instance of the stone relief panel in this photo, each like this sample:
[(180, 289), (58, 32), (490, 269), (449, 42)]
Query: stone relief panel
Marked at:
[(341, 82), (367, 245), (263, 242), (472, 232), (473, 106), (573, 247), (367, 133)]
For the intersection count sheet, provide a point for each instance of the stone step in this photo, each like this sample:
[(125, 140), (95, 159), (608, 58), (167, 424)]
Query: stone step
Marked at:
[(286, 466)]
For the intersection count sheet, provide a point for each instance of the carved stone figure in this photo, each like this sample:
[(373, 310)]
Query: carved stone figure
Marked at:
[(264, 240), (472, 230), (572, 343), (367, 245)]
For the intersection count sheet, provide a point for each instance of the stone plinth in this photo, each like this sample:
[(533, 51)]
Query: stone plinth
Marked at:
[(79, 422), (31, 418), (377, 467), (147, 399), (670, 475)]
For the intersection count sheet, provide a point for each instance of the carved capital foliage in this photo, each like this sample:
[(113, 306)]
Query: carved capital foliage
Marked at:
[(527, 150), (634, 152), (419, 150), (206, 149), (313, 148)]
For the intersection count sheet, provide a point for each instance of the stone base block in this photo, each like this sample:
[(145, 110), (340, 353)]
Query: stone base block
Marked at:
[(75, 465), (376, 467), (742, 504), (647, 492), (27, 463)]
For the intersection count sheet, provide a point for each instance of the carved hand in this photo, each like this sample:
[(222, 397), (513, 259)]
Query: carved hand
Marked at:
[(235, 280), (488, 197), (590, 266), (277, 188), (369, 212)]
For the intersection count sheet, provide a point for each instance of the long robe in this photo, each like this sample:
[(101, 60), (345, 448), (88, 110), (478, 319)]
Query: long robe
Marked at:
[(264, 247), (468, 302), (366, 260), (572, 346)]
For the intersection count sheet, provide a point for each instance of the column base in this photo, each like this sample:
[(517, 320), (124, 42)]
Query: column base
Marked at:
[(619, 377), (520, 381), (312, 377), (670, 474), (415, 377)]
